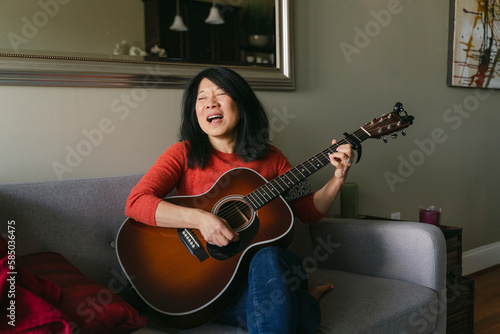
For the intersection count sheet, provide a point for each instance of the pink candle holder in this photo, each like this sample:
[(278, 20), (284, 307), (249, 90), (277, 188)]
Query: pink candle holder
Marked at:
[(430, 215)]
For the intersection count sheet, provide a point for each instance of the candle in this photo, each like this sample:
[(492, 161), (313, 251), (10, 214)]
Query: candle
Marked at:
[(349, 200), (430, 215)]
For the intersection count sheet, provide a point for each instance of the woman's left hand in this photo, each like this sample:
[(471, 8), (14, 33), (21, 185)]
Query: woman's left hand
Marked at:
[(342, 160)]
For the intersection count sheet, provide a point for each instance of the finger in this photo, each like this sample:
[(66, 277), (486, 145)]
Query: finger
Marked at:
[(337, 163), (218, 240), (230, 235), (346, 148), (228, 231), (222, 241), (340, 160), (339, 156)]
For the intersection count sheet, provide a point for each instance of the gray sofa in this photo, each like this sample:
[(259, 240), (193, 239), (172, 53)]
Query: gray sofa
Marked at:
[(389, 276)]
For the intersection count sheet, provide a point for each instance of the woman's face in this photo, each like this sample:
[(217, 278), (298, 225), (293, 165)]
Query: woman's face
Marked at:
[(216, 111)]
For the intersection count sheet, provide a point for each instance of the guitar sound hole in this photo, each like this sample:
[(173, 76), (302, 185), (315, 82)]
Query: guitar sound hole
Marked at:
[(237, 214)]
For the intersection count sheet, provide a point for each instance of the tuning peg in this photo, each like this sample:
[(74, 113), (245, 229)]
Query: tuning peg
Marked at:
[(384, 139), (394, 135), (403, 132)]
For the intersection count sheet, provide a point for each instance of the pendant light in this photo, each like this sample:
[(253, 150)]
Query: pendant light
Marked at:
[(214, 16), (178, 24)]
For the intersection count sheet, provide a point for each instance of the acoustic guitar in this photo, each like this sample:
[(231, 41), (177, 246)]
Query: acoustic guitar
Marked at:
[(189, 281)]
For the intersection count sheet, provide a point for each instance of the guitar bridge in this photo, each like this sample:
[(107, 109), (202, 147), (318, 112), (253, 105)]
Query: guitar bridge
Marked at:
[(191, 242)]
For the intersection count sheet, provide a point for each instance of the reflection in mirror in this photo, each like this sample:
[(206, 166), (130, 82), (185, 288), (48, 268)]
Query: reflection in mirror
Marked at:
[(69, 27), (247, 35), (141, 28)]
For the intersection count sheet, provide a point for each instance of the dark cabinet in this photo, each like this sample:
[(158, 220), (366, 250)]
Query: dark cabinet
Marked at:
[(202, 43), (460, 289)]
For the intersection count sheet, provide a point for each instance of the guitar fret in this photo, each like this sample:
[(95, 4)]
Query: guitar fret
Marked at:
[(256, 202), (279, 183), (290, 180), (307, 169), (316, 167), (313, 165), (273, 186), (265, 193), (298, 170), (250, 200), (325, 156), (273, 189), (292, 171), (260, 199)]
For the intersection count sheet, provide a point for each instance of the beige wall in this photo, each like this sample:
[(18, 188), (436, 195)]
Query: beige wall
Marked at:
[(82, 26), (405, 61)]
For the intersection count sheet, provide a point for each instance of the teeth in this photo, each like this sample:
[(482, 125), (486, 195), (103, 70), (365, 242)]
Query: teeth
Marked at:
[(211, 118)]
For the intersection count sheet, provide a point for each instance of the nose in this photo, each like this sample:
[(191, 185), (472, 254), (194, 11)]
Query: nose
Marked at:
[(212, 102)]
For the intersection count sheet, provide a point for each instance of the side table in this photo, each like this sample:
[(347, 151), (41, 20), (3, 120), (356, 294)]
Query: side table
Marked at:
[(459, 289)]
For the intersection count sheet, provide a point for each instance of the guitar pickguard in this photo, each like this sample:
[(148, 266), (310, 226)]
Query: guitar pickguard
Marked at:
[(233, 248)]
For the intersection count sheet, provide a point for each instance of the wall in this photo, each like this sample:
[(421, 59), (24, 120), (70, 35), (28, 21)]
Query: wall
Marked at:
[(83, 26), (405, 60)]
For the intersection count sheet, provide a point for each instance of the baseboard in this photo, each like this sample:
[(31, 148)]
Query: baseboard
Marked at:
[(480, 258)]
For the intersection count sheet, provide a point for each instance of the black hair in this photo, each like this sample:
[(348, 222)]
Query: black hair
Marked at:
[(252, 142)]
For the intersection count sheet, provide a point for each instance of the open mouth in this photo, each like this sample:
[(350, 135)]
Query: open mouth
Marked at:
[(212, 118)]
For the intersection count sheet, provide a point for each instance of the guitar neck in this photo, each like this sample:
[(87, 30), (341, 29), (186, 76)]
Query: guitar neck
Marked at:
[(284, 182)]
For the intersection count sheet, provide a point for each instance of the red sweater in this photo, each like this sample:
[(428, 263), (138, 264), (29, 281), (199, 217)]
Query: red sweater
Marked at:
[(171, 172)]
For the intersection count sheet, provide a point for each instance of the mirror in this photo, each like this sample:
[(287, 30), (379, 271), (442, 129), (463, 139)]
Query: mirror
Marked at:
[(129, 43)]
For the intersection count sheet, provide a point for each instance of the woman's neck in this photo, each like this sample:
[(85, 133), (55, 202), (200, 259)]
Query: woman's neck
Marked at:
[(224, 146)]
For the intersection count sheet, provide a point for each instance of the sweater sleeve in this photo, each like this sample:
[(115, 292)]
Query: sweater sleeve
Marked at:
[(157, 183), (305, 209)]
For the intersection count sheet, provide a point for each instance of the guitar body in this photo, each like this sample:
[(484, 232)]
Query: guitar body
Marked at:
[(193, 287)]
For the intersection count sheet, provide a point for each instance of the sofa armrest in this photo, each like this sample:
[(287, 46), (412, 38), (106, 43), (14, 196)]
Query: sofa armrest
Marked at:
[(409, 251)]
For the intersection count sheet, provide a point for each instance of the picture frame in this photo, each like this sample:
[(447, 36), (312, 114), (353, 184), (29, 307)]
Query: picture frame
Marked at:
[(474, 44)]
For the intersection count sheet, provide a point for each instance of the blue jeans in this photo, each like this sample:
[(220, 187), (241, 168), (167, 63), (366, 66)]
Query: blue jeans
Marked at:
[(276, 298)]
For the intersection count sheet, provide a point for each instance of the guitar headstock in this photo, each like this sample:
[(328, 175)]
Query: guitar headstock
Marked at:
[(397, 120)]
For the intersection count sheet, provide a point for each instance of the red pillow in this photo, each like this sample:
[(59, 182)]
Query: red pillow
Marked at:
[(27, 302), (92, 307)]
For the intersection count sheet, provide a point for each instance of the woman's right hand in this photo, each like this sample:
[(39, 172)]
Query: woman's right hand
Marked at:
[(215, 230)]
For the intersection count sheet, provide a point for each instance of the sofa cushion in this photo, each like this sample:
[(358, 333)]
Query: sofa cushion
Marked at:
[(28, 302), (92, 307), (366, 304), (361, 304)]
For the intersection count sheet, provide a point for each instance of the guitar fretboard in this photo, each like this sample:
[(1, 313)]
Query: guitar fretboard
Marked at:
[(284, 182)]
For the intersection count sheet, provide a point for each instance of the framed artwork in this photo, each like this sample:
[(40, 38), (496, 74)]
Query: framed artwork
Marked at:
[(474, 43)]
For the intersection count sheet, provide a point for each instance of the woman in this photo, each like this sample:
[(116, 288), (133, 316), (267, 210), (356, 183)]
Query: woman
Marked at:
[(224, 126)]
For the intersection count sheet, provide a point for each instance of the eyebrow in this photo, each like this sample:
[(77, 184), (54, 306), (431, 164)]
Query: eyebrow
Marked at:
[(203, 91)]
